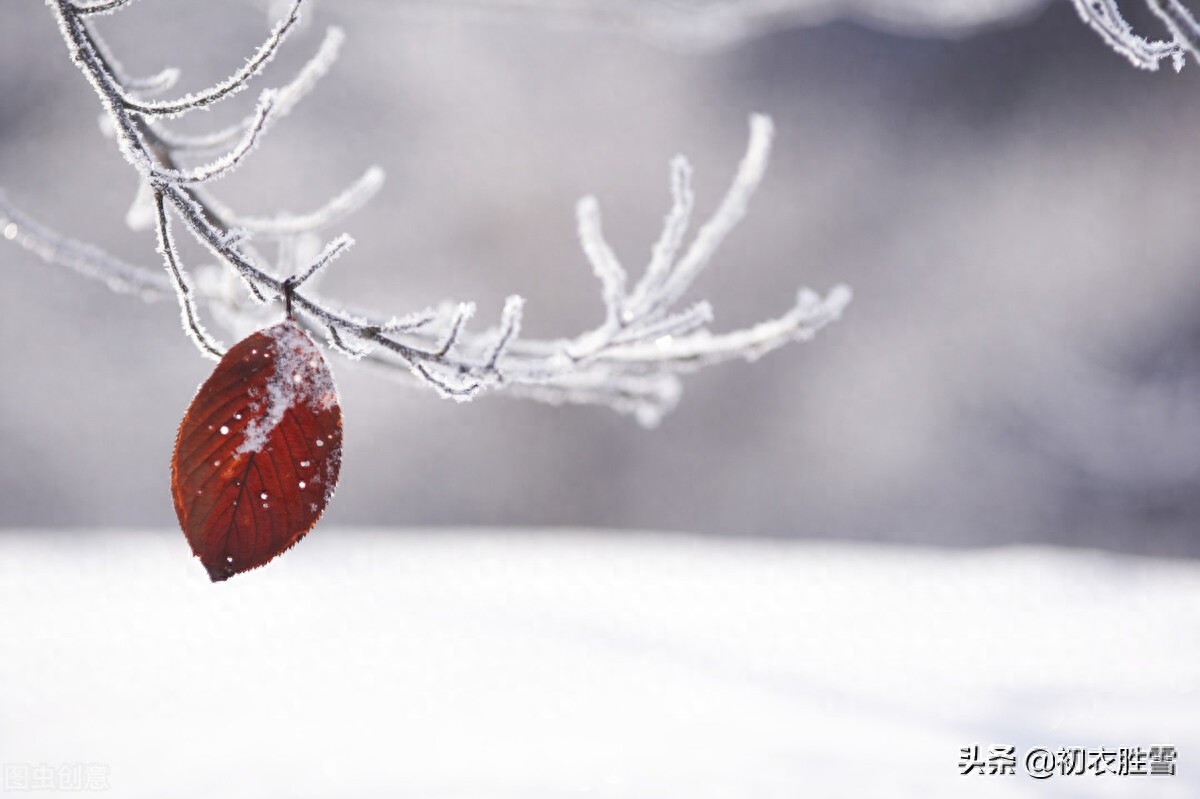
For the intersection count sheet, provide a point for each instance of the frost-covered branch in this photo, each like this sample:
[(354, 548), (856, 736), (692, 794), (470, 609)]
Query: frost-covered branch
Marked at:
[(629, 361), (88, 260), (1104, 17)]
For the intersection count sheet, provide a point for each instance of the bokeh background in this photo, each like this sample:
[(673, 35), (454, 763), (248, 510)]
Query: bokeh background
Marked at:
[(1012, 202)]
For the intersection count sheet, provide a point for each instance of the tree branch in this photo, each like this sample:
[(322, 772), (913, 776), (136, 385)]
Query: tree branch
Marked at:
[(1105, 18), (630, 361)]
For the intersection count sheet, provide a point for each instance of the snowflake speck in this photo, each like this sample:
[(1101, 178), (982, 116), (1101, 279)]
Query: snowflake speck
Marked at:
[(224, 430)]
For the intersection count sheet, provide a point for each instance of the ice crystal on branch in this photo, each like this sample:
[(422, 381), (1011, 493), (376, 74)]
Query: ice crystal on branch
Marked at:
[(630, 361), (1104, 17)]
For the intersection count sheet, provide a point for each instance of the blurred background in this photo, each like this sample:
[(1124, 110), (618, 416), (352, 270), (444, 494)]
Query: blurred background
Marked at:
[(1011, 201)]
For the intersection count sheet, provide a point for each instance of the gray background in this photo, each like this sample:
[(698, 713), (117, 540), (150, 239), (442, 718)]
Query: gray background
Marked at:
[(1014, 207)]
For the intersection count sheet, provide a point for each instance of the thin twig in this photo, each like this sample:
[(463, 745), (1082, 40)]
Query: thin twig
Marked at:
[(628, 362)]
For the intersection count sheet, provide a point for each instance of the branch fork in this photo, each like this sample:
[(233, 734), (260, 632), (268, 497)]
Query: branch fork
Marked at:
[(630, 361)]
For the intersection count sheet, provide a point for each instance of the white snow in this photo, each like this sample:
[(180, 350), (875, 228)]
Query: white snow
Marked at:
[(300, 376), (501, 664)]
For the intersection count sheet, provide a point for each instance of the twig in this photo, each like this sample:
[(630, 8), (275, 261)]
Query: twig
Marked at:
[(629, 361)]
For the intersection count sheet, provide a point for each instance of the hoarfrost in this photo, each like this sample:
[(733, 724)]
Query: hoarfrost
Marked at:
[(630, 361), (1105, 18)]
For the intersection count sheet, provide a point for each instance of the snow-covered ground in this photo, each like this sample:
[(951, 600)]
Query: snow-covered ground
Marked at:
[(498, 664)]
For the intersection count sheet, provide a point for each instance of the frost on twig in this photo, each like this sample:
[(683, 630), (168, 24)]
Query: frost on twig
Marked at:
[(629, 361), (88, 260), (1104, 17)]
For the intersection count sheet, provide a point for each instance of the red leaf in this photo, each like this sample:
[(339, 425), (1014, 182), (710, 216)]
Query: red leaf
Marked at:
[(258, 451)]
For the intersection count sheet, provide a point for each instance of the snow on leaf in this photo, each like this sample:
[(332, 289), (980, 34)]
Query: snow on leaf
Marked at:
[(266, 423)]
